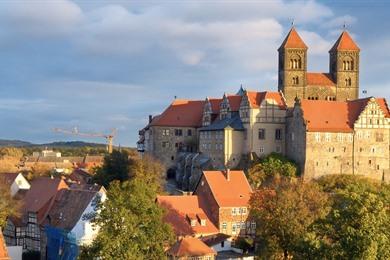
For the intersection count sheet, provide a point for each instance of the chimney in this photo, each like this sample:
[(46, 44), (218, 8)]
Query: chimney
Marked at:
[(150, 118), (227, 174)]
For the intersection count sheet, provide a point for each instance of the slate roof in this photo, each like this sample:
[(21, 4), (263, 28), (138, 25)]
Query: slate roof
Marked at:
[(220, 124)]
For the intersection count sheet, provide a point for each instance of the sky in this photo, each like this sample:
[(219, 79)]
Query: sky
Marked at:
[(98, 65)]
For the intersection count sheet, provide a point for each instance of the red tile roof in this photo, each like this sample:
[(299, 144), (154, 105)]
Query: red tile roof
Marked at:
[(215, 104), (335, 116), (293, 40), (232, 192), (234, 102), (190, 246), (3, 249), (345, 43), (324, 79), (178, 208), (187, 113), (256, 98)]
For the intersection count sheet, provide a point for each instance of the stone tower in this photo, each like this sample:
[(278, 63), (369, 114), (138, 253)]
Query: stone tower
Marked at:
[(292, 67), (344, 67)]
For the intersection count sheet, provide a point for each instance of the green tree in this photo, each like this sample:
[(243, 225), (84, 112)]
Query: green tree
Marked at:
[(116, 166), (358, 224), (283, 213), (131, 225), (150, 170), (274, 165)]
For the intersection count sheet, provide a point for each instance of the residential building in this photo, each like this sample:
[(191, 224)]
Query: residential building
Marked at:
[(340, 83), (191, 248), (340, 137), (224, 195), (15, 181)]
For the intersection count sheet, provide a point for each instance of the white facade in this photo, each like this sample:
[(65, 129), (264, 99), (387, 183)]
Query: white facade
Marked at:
[(84, 231), (20, 183)]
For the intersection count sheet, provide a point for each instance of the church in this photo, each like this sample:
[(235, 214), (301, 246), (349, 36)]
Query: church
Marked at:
[(341, 83)]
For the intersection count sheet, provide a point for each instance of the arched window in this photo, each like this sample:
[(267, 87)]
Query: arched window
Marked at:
[(295, 62), (348, 63), (295, 80), (348, 82)]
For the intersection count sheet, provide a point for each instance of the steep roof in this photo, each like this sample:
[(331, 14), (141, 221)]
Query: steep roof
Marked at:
[(41, 195), (215, 103), (181, 113), (234, 102), (69, 206), (178, 208), (322, 79), (232, 191), (256, 98), (3, 249), (344, 43), (190, 246), (335, 116), (293, 40)]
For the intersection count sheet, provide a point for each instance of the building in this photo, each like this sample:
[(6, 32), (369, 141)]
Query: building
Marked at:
[(3, 249), (189, 248), (340, 137), (15, 181), (225, 195), (340, 83)]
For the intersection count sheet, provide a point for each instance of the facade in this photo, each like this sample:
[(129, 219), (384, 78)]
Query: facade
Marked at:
[(349, 137), (340, 83), (225, 197)]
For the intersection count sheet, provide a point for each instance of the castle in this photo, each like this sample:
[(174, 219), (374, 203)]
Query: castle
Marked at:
[(317, 119)]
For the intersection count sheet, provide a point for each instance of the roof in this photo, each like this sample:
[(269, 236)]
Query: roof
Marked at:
[(41, 195), (93, 159), (213, 240), (3, 249), (256, 98), (178, 208), (190, 246), (215, 104), (344, 43), (323, 79), (293, 40), (68, 208), (234, 102), (335, 116), (220, 124), (8, 178), (232, 192), (181, 113)]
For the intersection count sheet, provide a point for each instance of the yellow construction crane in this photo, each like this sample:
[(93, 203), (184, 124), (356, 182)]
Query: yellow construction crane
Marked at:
[(75, 131)]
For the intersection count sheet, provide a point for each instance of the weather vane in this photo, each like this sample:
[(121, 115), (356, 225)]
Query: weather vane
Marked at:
[(345, 26), (292, 22)]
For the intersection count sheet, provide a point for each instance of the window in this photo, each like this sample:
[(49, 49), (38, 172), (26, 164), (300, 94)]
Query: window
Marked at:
[(253, 225), (348, 82), (178, 132), (223, 244), (165, 144), (224, 226), (243, 211), (327, 137), (295, 80), (261, 149), (234, 228), (278, 134), (189, 132), (234, 211), (165, 132), (318, 137), (261, 133)]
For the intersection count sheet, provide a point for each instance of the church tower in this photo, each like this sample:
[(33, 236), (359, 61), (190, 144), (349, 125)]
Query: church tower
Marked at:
[(292, 67), (344, 67)]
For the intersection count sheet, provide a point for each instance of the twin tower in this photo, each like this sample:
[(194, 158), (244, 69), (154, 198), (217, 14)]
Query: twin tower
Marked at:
[(341, 83)]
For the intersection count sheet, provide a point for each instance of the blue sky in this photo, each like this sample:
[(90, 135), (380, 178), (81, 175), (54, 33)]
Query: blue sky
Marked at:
[(99, 65)]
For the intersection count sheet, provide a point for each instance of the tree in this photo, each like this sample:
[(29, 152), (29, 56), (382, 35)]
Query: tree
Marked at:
[(116, 166), (274, 165), (358, 224), (131, 225), (150, 170), (283, 214), (8, 206)]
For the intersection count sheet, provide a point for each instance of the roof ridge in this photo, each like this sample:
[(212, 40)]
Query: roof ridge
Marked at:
[(293, 40)]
